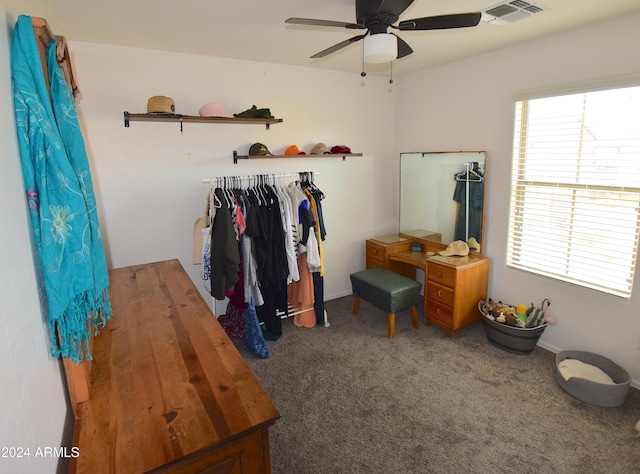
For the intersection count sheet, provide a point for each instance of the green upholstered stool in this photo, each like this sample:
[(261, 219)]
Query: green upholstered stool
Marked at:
[(389, 291)]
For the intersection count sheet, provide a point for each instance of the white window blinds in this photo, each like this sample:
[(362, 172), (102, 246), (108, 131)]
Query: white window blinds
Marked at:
[(575, 199)]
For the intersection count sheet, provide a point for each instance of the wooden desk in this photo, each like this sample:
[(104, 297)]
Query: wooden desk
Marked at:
[(169, 392), (379, 249), (453, 285)]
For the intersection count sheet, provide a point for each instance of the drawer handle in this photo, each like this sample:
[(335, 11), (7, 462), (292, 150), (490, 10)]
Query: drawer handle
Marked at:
[(439, 274), (439, 293)]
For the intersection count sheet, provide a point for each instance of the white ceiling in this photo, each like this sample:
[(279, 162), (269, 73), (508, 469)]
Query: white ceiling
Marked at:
[(255, 29)]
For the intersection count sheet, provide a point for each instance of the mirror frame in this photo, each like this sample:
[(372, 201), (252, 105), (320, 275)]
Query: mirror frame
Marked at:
[(448, 173)]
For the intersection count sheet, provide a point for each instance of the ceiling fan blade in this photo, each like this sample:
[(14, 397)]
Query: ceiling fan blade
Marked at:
[(441, 22), (338, 46), (403, 48), (386, 11), (312, 22), (397, 7)]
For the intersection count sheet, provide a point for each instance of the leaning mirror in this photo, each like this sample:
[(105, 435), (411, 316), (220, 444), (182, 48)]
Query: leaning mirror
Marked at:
[(443, 193)]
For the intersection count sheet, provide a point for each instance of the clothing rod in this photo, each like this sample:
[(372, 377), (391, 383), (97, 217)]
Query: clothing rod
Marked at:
[(466, 212), (253, 176)]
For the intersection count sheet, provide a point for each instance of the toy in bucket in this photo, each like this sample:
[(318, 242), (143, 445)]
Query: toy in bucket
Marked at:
[(535, 316), (509, 329)]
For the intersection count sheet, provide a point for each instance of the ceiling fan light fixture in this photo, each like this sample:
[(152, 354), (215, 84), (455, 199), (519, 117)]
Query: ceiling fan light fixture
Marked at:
[(380, 48)]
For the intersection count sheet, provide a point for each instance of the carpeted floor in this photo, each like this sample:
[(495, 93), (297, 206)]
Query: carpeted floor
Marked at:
[(354, 401)]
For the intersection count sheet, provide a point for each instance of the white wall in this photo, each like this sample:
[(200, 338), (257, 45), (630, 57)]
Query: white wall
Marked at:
[(148, 176), (33, 408), (468, 105)]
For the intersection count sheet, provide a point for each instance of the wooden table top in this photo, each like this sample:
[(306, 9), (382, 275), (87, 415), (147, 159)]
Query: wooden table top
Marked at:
[(166, 380), (422, 259)]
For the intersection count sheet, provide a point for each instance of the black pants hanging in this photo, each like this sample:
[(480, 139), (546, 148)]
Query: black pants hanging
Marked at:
[(318, 294), (274, 299)]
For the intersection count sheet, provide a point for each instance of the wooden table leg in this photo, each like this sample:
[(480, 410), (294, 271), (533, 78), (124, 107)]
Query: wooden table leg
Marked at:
[(414, 317), (391, 324), (356, 305)]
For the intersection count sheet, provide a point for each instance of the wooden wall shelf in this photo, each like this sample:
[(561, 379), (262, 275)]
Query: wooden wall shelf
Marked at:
[(128, 117), (237, 157)]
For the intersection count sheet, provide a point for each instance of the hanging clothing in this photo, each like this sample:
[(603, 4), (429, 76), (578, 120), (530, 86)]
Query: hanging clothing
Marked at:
[(318, 263), (265, 227), (297, 199), (253, 339), (201, 251), (301, 296), (278, 249), (316, 196), (250, 274), (205, 273), (225, 258), (232, 321), (289, 233), (476, 197), (318, 293), (61, 199)]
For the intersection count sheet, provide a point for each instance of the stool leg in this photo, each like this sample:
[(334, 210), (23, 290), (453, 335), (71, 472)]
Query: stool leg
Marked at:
[(414, 317), (356, 305), (391, 324)]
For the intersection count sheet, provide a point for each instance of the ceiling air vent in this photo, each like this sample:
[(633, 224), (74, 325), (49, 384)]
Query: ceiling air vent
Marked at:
[(509, 12)]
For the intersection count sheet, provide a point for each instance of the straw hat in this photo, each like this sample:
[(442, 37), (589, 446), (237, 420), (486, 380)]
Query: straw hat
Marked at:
[(159, 104)]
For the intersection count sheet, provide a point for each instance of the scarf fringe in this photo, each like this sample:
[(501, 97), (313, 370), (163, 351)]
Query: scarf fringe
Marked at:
[(70, 334)]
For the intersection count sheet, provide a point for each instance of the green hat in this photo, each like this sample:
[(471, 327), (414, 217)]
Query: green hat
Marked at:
[(258, 149)]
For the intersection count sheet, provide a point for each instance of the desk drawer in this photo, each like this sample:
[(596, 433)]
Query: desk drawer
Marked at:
[(439, 312), (439, 293), (443, 275), (372, 263), (375, 252)]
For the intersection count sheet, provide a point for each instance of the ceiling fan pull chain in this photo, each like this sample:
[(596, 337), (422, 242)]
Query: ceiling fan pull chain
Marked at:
[(391, 77), (363, 74)]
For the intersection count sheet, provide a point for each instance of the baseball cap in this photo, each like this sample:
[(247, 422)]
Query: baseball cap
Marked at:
[(259, 149), (456, 248)]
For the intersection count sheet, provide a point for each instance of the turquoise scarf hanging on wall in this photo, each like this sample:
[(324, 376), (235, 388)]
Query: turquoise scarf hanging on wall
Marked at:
[(62, 204)]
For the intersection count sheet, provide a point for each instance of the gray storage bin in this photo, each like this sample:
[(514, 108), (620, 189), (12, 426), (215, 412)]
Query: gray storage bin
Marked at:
[(516, 340)]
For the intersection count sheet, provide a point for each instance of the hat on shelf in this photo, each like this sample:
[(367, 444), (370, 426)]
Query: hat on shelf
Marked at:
[(258, 149), (339, 149), (319, 149), (254, 112), (293, 150), (473, 244), (214, 109), (457, 248), (159, 104)]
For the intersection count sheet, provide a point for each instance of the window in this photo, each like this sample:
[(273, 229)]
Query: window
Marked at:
[(575, 198)]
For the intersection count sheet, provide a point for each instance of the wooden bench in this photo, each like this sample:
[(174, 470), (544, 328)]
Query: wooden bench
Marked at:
[(168, 390), (389, 291)]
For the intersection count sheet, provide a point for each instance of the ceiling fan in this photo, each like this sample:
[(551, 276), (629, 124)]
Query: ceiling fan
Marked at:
[(377, 16)]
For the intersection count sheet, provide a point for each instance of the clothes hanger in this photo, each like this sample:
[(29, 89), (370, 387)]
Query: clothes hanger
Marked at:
[(227, 193), (315, 190), (468, 175)]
